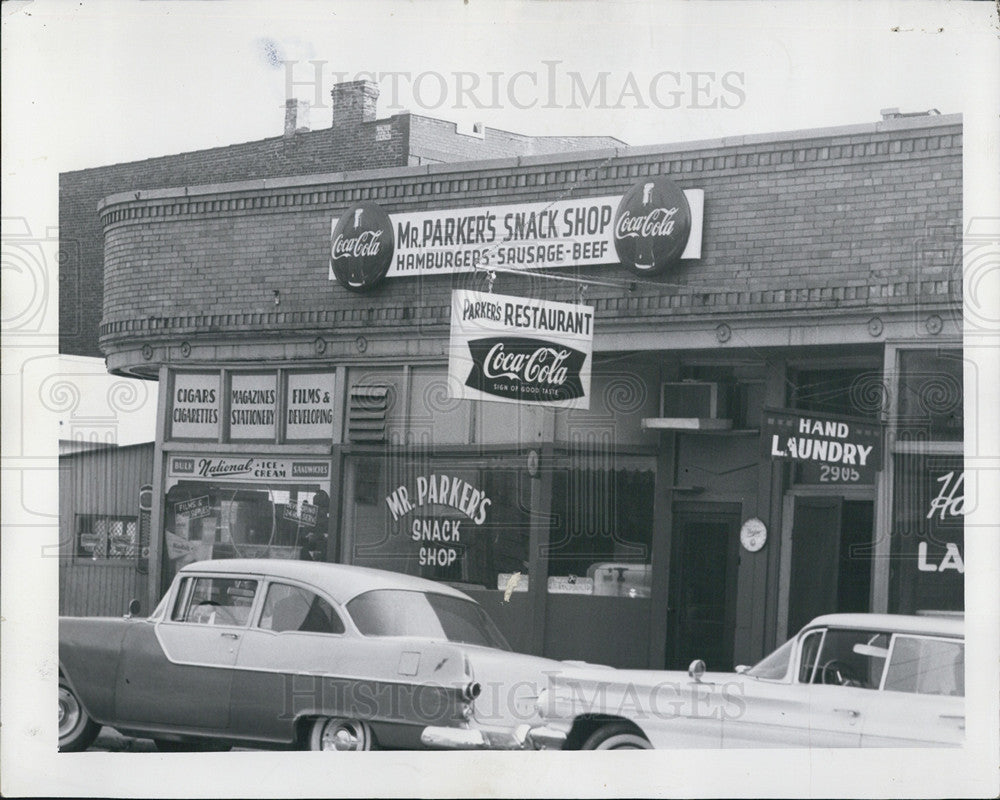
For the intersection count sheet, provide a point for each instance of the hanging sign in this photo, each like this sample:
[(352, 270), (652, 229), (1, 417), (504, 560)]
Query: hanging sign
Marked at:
[(195, 508), (832, 449), (520, 350), (367, 244)]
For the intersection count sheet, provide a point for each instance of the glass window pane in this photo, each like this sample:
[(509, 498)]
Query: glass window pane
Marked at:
[(292, 608), (775, 666), (927, 566), (810, 649), (392, 612), (931, 391), (204, 520), (217, 601), (460, 520), (852, 658), (600, 536), (926, 666), (848, 392)]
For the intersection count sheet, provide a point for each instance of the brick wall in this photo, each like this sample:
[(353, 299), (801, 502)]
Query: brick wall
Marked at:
[(355, 141), (857, 219)]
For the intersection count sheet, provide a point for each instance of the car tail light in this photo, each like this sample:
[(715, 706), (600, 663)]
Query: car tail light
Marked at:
[(471, 691)]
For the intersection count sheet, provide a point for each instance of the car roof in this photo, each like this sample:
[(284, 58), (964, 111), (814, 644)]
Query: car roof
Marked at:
[(342, 582), (931, 623)]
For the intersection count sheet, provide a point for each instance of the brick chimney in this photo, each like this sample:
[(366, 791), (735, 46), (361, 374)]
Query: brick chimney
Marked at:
[(296, 116), (354, 102)]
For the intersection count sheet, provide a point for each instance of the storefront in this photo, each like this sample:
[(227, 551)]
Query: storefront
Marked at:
[(766, 429)]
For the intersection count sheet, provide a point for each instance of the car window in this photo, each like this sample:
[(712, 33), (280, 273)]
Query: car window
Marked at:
[(848, 658), (775, 666), (810, 649), (926, 666), (292, 608), (215, 601), (392, 612)]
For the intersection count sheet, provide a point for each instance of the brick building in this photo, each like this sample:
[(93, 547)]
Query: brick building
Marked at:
[(662, 522), (355, 140)]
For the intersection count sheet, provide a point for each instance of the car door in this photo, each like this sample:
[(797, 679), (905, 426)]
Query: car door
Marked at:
[(922, 700), (178, 671), (824, 702), (297, 638)]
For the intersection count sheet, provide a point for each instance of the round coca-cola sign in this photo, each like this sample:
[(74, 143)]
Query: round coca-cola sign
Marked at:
[(361, 247), (652, 226)]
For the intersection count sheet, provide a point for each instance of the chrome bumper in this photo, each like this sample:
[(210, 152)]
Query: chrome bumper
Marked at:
[(523, 737)]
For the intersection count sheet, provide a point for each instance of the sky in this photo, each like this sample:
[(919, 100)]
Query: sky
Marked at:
[(86, 84), (93, 83)]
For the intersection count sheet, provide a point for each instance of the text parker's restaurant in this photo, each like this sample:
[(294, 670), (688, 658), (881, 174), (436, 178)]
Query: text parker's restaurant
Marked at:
[(645, 405)]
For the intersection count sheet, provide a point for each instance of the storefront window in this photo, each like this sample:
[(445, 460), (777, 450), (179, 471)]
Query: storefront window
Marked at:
[(260, 511), (459, 520), (602, 525), (99, 536), (931, 389), (928, 542), (848, 392)]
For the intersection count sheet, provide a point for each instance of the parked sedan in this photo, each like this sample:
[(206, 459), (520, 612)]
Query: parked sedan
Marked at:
[(298, 654), (846, 680)]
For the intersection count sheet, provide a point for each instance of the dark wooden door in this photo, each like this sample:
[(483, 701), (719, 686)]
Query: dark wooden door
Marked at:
[(704, 566), (815, 559)]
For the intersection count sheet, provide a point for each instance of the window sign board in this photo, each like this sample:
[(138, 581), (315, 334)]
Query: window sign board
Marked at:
[(246, 469), (520, 350), (309, 405), (831, 449), (252, 407), (195, 404)]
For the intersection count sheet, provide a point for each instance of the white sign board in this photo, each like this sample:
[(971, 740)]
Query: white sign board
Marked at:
[(573, 232), (520, 350)]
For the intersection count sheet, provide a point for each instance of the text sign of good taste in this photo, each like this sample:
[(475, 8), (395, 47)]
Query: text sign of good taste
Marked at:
[(439, 536), (252, 406), (194, 412), (309, 413), (557, 233)]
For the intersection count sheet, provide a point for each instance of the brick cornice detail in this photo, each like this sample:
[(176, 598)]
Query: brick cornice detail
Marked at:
[(932, 295), (616, 171)]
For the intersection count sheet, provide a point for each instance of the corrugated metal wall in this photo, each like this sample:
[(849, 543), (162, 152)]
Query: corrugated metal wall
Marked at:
[(106, 482)]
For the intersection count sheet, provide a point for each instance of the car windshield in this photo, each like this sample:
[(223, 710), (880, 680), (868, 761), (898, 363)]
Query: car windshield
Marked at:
[(775, 666), (397, 612)]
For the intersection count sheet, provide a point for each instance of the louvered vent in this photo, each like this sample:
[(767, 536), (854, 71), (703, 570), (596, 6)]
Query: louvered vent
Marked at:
[(369, 405)]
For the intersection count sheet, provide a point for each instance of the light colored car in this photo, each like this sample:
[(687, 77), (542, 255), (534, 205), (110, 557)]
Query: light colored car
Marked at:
[(846, 680), (297, 654)]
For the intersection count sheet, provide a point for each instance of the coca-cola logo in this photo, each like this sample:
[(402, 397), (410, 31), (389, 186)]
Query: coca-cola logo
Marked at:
[(652, 226), (361, 247), (524, 369)]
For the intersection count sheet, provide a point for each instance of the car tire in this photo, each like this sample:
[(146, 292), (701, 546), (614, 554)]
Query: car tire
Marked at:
[(329, 733), (77, 730), (617, 736), (191, 746)]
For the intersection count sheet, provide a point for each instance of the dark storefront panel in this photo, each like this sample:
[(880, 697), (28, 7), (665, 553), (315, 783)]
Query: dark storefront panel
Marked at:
[(928, 537), (831, 558)]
